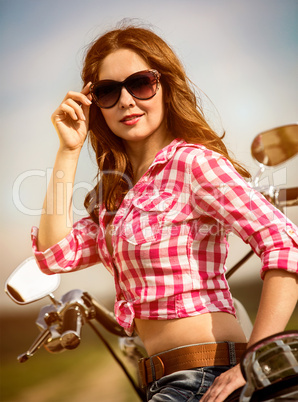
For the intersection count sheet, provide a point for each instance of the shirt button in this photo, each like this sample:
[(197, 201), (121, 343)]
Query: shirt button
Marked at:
[(290, 231)]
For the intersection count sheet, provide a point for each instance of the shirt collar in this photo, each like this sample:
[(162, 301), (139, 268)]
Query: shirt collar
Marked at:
[(166, 153)]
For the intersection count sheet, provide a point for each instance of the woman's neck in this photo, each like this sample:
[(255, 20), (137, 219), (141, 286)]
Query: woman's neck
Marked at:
[(142, 153)]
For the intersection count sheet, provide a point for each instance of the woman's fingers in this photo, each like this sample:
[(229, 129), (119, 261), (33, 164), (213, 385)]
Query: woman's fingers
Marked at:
[(73, 109), (84, 97), (86, 108), (86, 89), (224, 385), (75, 104), (71, 118), (78, 97)]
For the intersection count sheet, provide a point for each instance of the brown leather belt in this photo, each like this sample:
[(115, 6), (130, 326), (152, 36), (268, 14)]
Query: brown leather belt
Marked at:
[(188, 357)]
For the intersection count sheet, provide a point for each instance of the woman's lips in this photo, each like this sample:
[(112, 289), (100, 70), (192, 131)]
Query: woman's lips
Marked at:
[(131, 119)]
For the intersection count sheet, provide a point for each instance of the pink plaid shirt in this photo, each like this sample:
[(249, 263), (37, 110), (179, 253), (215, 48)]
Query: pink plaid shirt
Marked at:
[(169, 237)]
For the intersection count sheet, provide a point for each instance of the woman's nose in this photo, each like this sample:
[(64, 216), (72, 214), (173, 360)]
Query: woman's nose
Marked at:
[(126, 99)]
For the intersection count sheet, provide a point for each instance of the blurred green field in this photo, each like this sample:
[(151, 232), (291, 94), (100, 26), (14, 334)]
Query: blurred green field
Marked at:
[(87, 373)]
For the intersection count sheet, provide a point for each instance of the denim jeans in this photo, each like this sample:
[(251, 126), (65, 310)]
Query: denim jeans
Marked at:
[(184, 385)]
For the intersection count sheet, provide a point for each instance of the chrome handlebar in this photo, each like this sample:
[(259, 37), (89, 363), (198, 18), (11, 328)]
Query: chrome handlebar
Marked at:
[(61, 324)]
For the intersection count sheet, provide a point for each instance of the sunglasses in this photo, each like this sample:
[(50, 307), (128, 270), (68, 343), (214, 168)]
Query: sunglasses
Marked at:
[(142, 85)]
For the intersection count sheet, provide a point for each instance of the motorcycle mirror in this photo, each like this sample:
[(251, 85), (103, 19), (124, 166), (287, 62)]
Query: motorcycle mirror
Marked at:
[(275, 146), (271, 361), (28, 284)]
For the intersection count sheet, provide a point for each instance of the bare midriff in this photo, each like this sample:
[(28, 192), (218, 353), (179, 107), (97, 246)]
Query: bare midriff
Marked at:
[(162, 335)]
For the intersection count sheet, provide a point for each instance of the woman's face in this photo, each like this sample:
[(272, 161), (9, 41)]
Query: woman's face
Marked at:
[(132, 119)]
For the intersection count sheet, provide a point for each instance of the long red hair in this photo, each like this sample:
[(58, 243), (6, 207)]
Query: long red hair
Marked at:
[(184, 117)]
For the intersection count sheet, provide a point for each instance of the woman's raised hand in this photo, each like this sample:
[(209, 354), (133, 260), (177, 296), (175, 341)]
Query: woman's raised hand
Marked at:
[(71, 119)]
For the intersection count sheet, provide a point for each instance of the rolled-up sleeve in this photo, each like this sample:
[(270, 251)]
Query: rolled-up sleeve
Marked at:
[(221, 193), (78, 250), (281, 251)]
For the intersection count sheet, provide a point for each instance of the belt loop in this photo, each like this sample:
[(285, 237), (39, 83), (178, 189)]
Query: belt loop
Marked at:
[(152, 369), (232, 353), (143, 372)]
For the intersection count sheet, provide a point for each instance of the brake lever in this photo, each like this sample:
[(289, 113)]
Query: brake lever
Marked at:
[(39, 341), (72, 325)]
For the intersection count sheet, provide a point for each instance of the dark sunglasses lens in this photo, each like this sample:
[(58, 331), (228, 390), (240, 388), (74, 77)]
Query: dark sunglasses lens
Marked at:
[(142, 86), (106, 94)]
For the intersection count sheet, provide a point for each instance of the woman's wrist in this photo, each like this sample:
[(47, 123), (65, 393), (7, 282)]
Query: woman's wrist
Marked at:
[(72, 154)]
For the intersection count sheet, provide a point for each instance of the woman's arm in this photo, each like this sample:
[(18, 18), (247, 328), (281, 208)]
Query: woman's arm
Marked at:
[(70, 120), (278, 300)]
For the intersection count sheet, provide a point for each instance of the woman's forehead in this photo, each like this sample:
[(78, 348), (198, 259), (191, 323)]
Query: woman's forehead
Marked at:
[(120, 64)]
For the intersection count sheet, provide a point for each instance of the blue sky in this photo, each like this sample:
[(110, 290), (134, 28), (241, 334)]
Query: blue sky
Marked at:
[(242, 54)]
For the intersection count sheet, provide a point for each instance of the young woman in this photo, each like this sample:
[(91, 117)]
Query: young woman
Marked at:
[(167, 196)]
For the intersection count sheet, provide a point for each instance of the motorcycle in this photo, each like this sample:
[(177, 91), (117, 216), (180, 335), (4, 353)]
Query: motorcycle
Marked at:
[(270, 366)]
